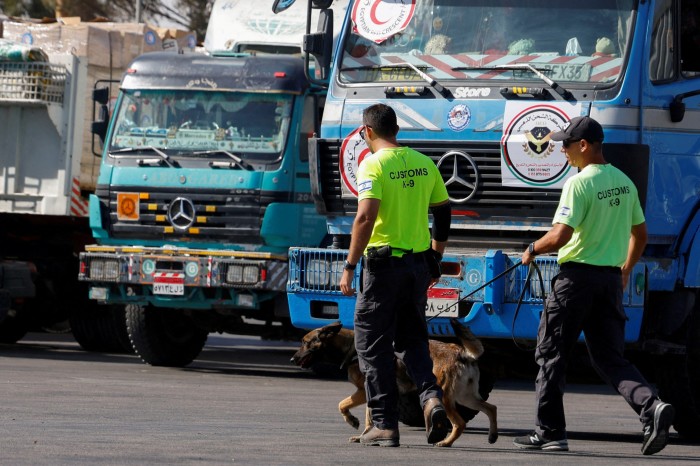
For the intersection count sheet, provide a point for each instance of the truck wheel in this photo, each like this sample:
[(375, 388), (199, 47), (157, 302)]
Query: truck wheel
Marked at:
[(14, 326), (164, 337), (677, 374), (101, 328), (411, 413), (692, 431)]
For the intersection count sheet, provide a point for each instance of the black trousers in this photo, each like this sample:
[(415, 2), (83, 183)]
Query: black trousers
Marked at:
[(390, 323), (589, 299)]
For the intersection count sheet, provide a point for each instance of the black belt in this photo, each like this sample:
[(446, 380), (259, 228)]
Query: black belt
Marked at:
[(378, 263), (589, 267)]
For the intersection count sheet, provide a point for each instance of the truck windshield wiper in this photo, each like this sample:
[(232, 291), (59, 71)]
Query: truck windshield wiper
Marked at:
[(426, 77), (237, 161), (429, 79), (521, 66), (163, 157)]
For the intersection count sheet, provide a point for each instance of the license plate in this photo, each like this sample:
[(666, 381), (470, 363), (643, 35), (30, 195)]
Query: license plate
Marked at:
[(442, 302), (559, 71), (169, 289), (172, 284)]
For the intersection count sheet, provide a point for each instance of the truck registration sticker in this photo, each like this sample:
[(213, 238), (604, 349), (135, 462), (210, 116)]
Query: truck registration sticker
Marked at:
[(169, 283), (442, 301)]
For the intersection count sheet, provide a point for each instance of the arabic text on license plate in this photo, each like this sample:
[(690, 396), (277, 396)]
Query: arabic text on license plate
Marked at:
[(177, 289), (442, 301)]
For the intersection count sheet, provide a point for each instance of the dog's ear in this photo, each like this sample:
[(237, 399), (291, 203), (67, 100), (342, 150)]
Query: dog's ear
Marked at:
[(330, 330)]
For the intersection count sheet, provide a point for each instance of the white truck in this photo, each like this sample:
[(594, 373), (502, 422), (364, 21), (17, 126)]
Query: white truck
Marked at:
[(43, 210), (49, 165)]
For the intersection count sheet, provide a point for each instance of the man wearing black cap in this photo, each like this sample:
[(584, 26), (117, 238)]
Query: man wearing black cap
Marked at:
[(600, 233)]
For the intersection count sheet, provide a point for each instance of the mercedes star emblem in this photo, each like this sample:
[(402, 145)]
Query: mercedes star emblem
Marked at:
[(181, 213), (465, 175)]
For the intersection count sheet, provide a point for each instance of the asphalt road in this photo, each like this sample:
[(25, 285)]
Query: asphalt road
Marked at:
[(242, 402)]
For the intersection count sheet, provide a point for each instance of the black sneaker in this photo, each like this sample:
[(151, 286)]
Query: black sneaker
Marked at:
[(535, 442), (656, 432)]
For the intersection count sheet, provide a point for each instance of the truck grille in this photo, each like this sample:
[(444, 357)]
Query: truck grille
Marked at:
[(491, 201), (319, 271), (230, 216)]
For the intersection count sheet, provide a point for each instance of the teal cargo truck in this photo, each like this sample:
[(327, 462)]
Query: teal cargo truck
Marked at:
[(203, 186)]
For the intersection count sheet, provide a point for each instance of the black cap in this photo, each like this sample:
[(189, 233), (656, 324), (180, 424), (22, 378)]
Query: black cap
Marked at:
[(581, 127)]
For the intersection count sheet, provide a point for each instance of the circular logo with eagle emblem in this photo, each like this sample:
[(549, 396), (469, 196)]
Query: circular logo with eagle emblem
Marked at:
[(527, 149)]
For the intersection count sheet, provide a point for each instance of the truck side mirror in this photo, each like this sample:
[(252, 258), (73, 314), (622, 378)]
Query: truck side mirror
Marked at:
[(677, 109), (101, 95), (281, 5), (101, 120), (677, 106), (321, 4), (100, 128), (320, 44)]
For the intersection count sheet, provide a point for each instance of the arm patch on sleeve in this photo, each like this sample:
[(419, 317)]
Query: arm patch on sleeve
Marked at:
[(364, 186)]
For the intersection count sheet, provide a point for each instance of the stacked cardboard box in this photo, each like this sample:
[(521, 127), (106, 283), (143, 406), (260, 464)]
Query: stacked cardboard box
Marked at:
[(105, 44)]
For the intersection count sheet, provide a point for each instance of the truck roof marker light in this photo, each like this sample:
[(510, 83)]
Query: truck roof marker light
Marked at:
[(131, 71), (466, 213), (280, 74), (406, 90)]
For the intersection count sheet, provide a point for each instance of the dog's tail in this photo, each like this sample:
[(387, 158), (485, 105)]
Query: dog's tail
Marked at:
[(471, 344)]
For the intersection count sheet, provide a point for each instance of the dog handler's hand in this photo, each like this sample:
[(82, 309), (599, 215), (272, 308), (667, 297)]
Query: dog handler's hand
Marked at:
[(346, 283)]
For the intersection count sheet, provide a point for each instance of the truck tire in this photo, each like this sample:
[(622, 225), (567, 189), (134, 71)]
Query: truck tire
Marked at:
[(14, 326), (676, 373), (101, 329), (164, 337), (411, 413)]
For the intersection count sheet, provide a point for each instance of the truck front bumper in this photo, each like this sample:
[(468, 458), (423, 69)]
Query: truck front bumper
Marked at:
[(315, 299), (182, 277)]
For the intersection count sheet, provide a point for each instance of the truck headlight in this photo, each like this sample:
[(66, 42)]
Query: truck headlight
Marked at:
[(234, 273), (248, 274), (251, 274), (104, 270)]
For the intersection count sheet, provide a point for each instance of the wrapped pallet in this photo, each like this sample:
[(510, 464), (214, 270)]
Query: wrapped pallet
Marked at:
[(106, 48)]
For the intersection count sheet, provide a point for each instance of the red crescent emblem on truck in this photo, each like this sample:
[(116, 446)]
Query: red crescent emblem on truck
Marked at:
[(373, 14), (353, 151), (395, 17)]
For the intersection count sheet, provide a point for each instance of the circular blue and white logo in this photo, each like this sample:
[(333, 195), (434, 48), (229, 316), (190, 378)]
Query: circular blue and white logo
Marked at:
[(27, 38), (192, 269), (148, 266), (150, 37), (459, 117)]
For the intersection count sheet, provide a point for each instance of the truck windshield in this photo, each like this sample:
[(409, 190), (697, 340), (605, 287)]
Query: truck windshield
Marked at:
[(192, 123), (580, 42)]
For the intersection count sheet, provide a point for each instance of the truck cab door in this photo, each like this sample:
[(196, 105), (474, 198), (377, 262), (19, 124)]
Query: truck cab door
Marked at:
[(673, 74)]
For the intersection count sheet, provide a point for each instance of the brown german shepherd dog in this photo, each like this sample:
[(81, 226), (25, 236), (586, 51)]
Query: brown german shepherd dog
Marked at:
[(454, 365)]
